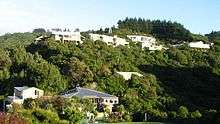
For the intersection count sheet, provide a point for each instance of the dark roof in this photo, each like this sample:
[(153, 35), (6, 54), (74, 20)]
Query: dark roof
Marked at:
[(84, 92)]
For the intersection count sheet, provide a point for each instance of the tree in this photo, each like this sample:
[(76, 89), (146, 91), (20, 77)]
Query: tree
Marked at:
[(162, 29), (74, 116), (181, 58), (78, 71), (39, 30)]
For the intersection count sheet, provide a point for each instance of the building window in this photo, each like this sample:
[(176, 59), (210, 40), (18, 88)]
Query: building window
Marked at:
[(106, 100), (111, 101), (116, 101), (36, 92)]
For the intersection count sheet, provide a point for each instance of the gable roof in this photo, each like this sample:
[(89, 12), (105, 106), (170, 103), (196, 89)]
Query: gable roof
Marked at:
[(25, 88), (84, 92), (21, 88)]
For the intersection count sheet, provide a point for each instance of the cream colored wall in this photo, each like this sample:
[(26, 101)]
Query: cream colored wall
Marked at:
[(30, 93), (108, 104), (199, 44), (109, 39), (72, 36), (127, 75)]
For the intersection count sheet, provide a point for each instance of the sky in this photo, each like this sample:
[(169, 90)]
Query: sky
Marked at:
[(199, 16)]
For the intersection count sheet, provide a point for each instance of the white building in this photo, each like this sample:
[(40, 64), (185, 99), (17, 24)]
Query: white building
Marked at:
[(110, 40), (127, 75), (147, 42), (67, 35), (96, 96), (200, 44), (22, 93)]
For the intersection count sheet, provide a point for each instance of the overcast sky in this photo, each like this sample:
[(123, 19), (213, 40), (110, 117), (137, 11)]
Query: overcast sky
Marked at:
[(199, 16)]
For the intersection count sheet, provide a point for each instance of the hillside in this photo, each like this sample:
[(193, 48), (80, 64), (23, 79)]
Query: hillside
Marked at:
[(16, 39), (179, 84)]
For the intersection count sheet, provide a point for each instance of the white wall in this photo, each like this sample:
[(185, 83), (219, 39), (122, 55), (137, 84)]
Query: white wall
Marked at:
[(110, 102), (30, 93), (67, 36), (127, 75), (147, 42), (110, 40), (199, 44)]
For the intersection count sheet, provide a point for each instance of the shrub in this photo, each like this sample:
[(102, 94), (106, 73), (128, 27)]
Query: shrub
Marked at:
[(11, 119), (45, 116), (73, 115), (183, 112), (29, 103), (196, 114)]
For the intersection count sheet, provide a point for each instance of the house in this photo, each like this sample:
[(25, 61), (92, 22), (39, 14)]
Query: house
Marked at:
[(146, 41), (200, 44), (96, 96), (22, 93), (110, 40), (41, 38), (66, 35), (127, 75)]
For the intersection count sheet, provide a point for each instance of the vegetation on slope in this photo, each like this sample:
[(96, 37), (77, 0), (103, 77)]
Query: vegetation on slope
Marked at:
[(178, 84)]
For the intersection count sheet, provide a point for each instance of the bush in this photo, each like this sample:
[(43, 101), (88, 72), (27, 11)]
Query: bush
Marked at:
[(172, 115), (11, 119), (183, 112), (45, 116), (29, 103), (73, 115), (196, 114)]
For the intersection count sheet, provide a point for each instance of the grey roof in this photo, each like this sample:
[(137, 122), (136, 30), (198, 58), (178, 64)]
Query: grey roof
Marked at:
[(14, 97), (84, 92), (21, 88)]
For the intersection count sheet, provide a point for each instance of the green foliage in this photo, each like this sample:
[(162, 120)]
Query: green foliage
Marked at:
[(214, 36), (78, 71), (73, 115), (29, 103), (6, 118), (38, 71), (39, 30), (198, 37), (55, 110), (162, 29), (16, 39), (171, 78), (45, 116), (196, 114), (183, 112)]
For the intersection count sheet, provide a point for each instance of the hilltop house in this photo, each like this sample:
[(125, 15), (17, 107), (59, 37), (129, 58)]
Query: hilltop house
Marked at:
[(66, 35), (127, 75), (41, 38), (22, 93), (96, 96), (200, 45), (147, 42), (110, 40)]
